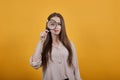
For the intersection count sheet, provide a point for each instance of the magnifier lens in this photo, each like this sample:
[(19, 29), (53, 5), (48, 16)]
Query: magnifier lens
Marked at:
[(52, 24)]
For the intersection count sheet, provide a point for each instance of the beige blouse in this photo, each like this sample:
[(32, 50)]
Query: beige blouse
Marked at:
[(57, 69)]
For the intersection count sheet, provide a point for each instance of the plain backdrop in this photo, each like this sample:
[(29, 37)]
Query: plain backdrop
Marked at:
[(92, 25)]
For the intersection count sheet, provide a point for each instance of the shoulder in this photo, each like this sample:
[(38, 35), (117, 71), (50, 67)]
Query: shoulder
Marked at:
[(72, 44)]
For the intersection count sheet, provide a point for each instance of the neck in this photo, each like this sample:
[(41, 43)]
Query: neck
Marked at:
[(55, 39)]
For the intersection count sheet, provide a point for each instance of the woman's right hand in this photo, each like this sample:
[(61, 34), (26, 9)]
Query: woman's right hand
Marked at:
[(43, 35)]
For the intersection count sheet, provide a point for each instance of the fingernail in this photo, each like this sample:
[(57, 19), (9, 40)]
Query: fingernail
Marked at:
[(46, 31)]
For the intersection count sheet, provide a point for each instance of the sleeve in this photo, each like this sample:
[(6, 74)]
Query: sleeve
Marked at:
[(35, 59), (75, 64)]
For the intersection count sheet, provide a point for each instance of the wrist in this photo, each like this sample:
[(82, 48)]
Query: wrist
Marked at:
[(41, 42)]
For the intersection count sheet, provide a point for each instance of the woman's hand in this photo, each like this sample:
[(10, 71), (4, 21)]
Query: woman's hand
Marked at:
[(43, 35)]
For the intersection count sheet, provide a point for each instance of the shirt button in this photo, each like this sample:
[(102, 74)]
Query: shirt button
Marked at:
[(60, 61)]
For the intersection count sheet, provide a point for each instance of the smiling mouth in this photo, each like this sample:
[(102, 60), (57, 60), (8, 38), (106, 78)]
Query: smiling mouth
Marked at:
[(56, 30)]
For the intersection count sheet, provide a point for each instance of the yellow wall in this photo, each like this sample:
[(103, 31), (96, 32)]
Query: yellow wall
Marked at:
[(93, 26)]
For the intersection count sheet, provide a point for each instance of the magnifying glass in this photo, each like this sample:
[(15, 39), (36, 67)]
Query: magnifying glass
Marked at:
[(52, 24)]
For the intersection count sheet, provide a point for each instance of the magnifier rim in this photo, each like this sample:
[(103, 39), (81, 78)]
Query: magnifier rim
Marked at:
[(49, 21)]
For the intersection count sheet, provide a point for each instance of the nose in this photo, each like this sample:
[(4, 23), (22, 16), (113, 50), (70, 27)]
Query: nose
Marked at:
[(58, 27)]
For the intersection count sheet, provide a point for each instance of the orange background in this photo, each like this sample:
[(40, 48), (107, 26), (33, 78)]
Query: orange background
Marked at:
[(93, 26)]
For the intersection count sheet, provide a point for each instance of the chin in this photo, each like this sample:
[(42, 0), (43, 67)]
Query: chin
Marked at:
[(57, 33)]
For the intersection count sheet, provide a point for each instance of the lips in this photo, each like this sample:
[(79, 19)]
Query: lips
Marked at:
[(56, 30)]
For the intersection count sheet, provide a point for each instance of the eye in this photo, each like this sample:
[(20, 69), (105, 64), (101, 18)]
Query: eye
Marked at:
[(52, 24), (59, 24)]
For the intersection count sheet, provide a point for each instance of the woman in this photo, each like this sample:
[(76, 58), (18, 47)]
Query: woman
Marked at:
[(55, 53)]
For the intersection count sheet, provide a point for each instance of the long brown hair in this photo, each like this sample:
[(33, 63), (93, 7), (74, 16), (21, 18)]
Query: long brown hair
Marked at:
[(47, 46)]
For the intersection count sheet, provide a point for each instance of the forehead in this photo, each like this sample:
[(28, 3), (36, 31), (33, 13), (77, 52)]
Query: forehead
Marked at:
[(57, 19)]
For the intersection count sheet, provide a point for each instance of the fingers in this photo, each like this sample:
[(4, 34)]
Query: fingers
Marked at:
[(46, 31), (43, 35)]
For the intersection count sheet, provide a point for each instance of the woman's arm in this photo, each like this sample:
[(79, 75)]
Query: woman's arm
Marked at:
[(75, 64), (35, 59)]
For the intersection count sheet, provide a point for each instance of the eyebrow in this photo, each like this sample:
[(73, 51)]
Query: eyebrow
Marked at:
[(56, 21)]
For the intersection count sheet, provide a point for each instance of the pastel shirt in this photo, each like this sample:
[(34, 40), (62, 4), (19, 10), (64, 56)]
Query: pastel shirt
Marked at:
[(57, 69)]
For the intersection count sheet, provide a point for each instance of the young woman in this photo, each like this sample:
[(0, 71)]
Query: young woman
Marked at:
[(55, 53)]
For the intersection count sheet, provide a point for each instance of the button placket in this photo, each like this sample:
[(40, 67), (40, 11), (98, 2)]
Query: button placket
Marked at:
[(59, 60), (59, 56)]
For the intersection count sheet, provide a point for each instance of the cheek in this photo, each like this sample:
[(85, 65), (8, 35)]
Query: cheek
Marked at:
[(59, 28)]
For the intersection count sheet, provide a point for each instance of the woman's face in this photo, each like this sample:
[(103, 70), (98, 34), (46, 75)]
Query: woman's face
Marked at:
[(57, 29)]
